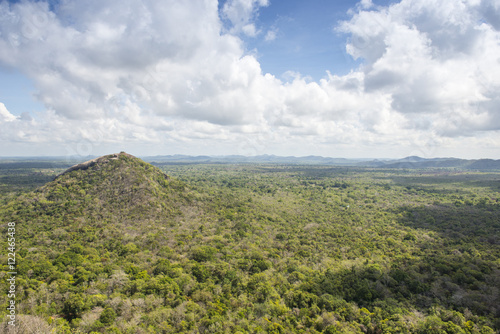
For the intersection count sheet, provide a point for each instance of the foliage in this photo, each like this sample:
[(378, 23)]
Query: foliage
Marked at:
[(120, 247)]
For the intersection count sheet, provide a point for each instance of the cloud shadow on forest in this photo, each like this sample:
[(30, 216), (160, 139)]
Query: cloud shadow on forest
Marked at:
[(477, 223)]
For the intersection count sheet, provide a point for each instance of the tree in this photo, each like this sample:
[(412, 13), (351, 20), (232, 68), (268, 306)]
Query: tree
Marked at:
[(73, 306), (107, 316)]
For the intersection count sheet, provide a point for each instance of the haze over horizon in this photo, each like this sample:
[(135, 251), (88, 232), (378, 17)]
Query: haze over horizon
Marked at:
[(372, 79)]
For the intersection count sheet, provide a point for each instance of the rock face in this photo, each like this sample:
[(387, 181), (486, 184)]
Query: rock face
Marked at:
[(101, 160)]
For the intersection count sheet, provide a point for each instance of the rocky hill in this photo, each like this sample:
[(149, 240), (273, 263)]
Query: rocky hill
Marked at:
[(85, 223), (113, 188)]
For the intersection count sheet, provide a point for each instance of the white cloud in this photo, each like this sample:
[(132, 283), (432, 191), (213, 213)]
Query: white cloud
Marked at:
[(271, 35), (432, 58), (241, 13), (169, 74), (5, 115), (249, 30), (366, 4)]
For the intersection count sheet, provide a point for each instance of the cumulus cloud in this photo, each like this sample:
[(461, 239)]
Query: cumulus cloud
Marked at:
[(143, 71), (167, 57), (434, 59)]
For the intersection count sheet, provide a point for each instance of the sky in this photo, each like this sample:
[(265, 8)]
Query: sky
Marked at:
[(367, 79)]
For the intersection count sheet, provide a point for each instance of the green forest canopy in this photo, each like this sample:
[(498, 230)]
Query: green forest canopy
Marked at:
[(121, 248)]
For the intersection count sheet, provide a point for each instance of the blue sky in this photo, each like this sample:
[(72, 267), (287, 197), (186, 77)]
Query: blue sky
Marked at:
[(333, 78), (306, 41), (16, 90), (305, 38)]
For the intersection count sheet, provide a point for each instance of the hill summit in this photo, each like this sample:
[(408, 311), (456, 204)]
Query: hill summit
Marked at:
[(98, 162)]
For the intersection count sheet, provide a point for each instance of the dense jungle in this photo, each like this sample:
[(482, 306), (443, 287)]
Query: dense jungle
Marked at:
[(124, 246)]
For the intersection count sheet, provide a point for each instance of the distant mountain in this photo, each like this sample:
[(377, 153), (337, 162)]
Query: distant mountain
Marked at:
[(411, 162), (312, 159), (484, 164), (417, 162)]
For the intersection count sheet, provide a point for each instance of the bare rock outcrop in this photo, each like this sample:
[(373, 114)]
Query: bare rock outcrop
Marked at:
[(87, 164)]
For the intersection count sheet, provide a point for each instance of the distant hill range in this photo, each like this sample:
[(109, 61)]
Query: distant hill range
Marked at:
[(418, 162), (312, 159), (412, 162)]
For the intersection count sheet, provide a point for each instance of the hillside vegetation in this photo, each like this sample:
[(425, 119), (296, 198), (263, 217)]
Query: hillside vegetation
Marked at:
[(117, 246)]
